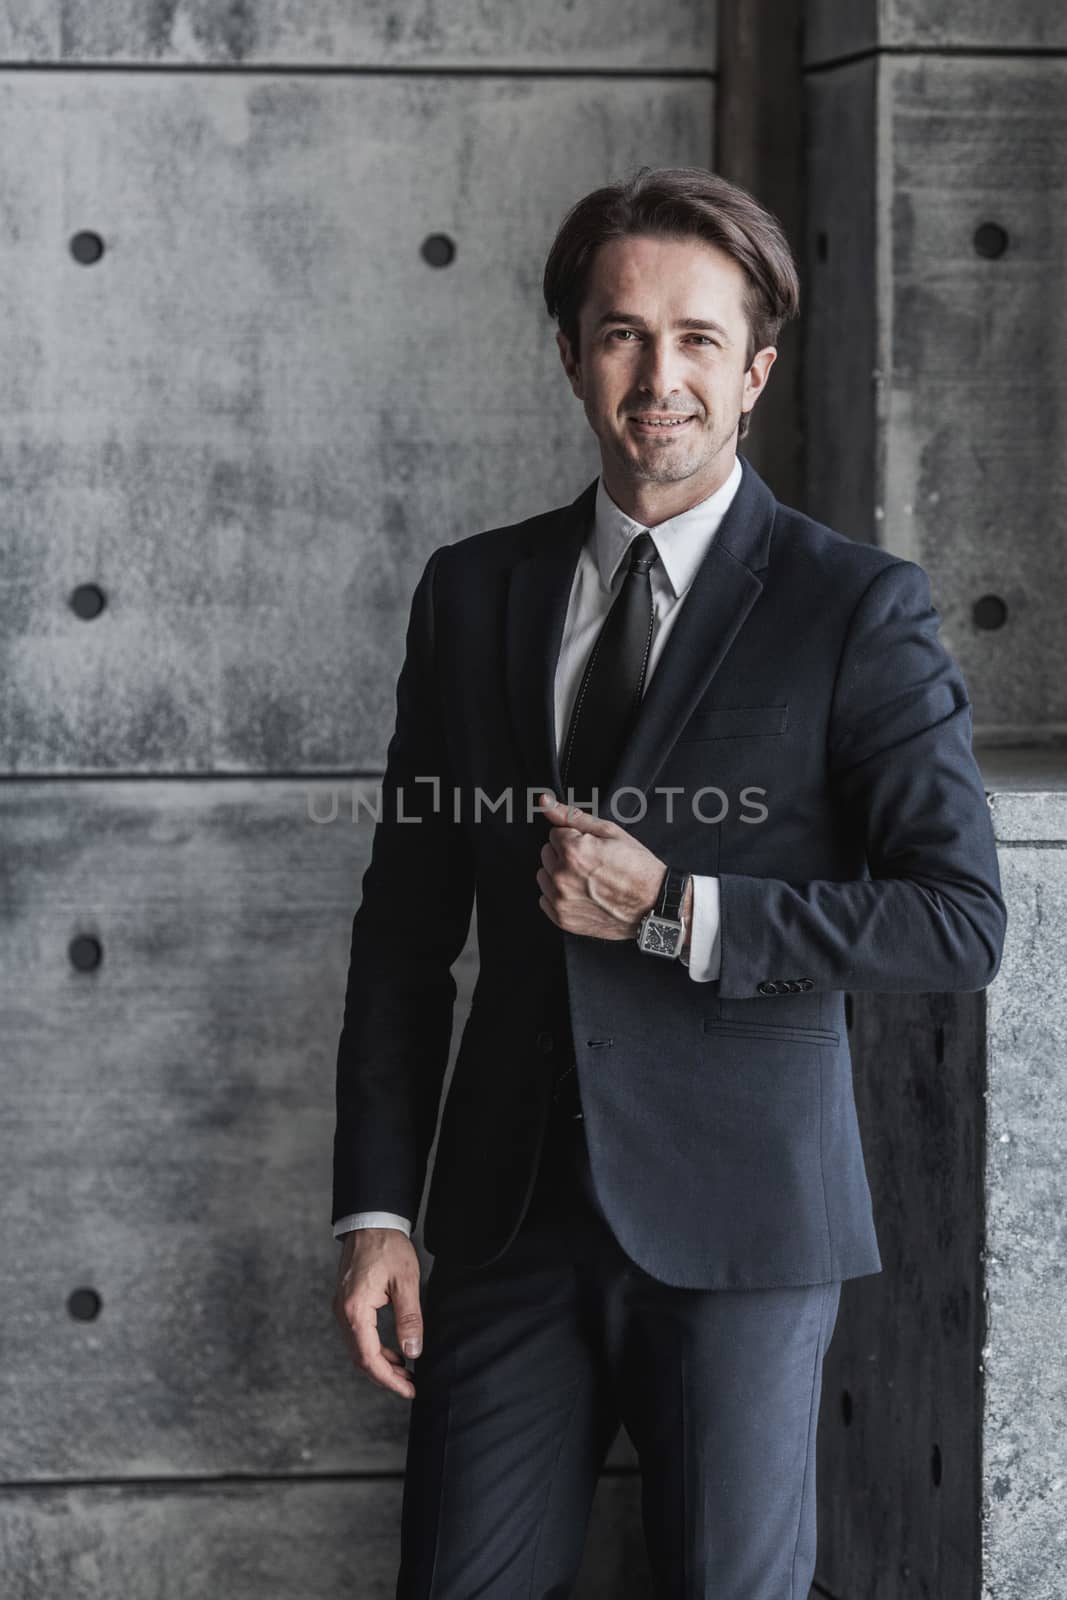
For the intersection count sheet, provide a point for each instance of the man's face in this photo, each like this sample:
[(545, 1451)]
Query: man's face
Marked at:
[(637, 359)]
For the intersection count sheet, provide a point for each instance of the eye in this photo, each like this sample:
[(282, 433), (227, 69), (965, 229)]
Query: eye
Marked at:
[(703, 337)]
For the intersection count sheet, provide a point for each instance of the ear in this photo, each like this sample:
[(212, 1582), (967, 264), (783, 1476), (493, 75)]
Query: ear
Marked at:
[(757, 375), (570, 366)]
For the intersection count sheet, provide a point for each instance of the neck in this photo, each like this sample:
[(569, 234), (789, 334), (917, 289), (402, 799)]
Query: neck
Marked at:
[(652, 503)]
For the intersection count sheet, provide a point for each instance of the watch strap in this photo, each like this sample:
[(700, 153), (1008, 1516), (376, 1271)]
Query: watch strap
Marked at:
[(672, 893)]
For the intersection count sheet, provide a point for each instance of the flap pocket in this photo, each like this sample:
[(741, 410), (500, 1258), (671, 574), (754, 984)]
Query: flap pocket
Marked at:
[(736, 722), (772, 1030)]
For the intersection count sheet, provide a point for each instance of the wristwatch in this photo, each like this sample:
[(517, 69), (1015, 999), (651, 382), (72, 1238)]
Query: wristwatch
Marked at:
[(661, 929)]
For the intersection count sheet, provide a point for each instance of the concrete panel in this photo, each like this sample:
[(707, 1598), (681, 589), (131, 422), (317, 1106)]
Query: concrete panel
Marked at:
[(976, 469), (168, 1126), (838, 28), (942, 1459), (1025, 1457), (316, 1540), (252, 418), (678, 34), (970, 471), (1030, 818), (167, 1132)]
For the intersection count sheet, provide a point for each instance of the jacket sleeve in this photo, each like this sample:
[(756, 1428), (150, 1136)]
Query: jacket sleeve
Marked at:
[(928, 914), (410, 926)]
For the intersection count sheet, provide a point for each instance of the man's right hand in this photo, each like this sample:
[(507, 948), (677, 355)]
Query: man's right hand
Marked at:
[(379, 1266)]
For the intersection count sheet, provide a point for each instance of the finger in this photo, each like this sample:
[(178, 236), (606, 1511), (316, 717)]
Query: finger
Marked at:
[(560, 838), (559, 812), (545, 883), (549, 911), (550, 855), (407, 1316), (370, 1355), (552, 891), (574, 817)]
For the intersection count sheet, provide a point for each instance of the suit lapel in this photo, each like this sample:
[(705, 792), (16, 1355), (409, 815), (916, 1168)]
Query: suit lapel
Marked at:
[(722, 594), (538, 595)]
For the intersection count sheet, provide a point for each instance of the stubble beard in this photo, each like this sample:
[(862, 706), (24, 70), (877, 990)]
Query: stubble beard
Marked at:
[(653, 464)]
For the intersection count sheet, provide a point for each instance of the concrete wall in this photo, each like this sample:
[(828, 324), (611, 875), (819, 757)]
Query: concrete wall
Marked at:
[(270, 330), (839, 28), (229, 442), (941, 1437), (934, 359), (933, 382), (1024, 1473), (253, 417)]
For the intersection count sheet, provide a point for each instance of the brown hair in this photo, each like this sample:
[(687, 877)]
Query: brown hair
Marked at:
[(678, 202)]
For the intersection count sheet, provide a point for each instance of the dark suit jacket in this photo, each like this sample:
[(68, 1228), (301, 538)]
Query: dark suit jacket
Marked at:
[(804, 679)]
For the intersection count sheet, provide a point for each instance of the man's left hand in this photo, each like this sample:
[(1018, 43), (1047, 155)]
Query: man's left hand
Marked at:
[(595, 878)]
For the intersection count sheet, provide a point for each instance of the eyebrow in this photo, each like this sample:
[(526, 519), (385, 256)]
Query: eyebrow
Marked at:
[(684, 322)]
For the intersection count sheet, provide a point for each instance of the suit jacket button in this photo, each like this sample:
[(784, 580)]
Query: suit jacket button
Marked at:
[(544, 1042), (807, 983), (792, 986), (767, 987)]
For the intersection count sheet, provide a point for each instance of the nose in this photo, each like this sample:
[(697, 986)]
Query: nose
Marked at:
[(659, 376)]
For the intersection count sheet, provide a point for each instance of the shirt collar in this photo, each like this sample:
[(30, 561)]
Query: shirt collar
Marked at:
[(682, 541)]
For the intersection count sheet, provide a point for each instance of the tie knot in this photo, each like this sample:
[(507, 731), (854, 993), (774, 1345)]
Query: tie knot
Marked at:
[(642, 553)]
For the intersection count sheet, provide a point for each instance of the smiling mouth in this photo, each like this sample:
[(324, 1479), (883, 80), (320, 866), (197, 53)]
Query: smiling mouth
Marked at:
[(650, 426)]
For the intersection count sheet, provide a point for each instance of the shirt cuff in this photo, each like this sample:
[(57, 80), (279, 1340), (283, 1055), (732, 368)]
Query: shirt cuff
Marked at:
[(370, 1219), (703, 954)]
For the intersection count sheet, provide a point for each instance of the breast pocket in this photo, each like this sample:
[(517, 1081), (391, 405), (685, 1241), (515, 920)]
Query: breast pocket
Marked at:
[(735, 722)]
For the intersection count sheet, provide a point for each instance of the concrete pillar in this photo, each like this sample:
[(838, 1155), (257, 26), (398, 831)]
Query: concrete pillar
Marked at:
[(759, 143), (934, 362), (941, 1438)]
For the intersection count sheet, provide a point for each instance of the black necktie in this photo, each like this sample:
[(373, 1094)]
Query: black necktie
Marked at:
[(610, 691)]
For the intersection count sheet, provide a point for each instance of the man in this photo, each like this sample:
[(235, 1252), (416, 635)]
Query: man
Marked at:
[(649, 1183)]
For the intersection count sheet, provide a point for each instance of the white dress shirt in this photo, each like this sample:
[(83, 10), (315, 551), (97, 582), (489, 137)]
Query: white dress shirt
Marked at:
[(681, 542)]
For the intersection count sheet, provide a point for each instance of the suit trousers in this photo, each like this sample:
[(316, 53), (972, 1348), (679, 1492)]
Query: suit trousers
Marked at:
[(531, 1364)]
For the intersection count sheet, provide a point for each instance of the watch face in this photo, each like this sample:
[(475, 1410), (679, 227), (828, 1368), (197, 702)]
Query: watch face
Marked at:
[(661, 937)]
